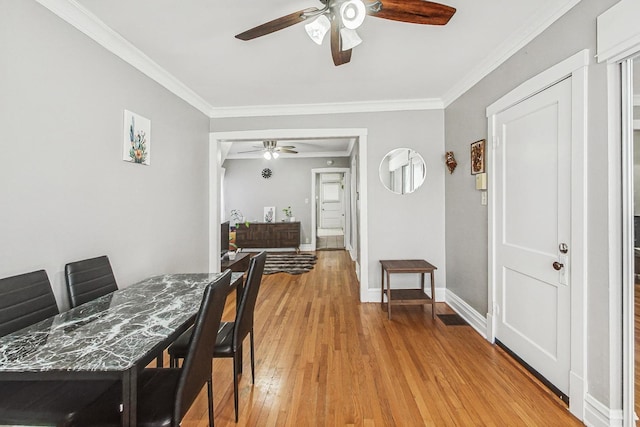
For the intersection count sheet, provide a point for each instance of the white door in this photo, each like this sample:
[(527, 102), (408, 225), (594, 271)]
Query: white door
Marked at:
[(532, 227), (331, 201)]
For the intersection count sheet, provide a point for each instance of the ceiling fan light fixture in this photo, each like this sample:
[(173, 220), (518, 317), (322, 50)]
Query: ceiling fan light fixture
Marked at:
[(350, 39), (318, 28), (267, 155), (275, 154), (352, 13)]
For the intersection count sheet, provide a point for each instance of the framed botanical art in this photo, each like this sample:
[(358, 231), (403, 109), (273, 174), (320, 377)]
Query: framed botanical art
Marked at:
[(269, 214), (137, 139), (477, 157)]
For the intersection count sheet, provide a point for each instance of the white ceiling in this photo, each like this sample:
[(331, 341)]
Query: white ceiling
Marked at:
[(189, 47), (194, 41)]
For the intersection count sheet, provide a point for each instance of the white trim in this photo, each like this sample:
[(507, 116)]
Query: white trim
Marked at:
[(617, 31), (215, 158), (618, 39), (636, 100), (85, 21), (624, 326), (215, 142), (468, 313), (328, 108), (596, 414), (575, 67), (81, 18), (510, 46), (346, 205), (540, 82), (636, 125)]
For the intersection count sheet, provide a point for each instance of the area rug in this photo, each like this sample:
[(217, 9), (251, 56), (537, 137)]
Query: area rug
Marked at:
[(289, 263), (452, 319)]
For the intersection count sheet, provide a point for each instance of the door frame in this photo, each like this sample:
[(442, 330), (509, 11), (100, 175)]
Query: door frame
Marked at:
[(574, 67), (315, 173), (218, 147)]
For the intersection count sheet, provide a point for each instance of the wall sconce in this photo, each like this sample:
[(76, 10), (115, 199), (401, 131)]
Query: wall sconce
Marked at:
[(450, 161)]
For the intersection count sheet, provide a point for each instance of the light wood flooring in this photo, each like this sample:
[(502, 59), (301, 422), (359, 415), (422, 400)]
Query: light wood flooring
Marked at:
[(325, 359)]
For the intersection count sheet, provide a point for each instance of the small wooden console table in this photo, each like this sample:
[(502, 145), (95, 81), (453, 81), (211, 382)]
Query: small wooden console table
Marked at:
[(407, 296)]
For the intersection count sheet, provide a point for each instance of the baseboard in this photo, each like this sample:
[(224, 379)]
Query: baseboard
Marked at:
[(576, 395), (468, 313), (597, 414), (308, 247)]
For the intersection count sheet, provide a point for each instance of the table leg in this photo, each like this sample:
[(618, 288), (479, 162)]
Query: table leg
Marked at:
[(382, 290), (433, 297), (389, 295), (129, 397), (422, 287)]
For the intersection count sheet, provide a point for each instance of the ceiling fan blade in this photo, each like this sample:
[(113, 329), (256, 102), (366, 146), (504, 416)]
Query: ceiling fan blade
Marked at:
[(412, 11), (251, 151), (286, 150), (285, 146), (339, 56), (276, 24)]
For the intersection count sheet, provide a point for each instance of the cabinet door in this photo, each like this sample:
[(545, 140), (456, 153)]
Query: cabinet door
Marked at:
[(287, 234)]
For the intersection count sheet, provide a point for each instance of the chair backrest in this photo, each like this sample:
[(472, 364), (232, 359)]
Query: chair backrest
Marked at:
[(89, 279), (24, 300), (196, 369), (244, 319)]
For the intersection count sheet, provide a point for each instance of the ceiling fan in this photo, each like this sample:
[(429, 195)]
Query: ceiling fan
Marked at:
[(343, 17), (272, 151)]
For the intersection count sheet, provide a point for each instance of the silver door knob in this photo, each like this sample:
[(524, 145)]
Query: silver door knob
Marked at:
[(557, 265)]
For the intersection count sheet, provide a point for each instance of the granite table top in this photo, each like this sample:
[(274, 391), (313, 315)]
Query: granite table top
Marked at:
[(111, 333)]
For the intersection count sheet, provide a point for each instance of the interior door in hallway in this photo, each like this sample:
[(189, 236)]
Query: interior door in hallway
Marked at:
[(332, 201), (532, 232)]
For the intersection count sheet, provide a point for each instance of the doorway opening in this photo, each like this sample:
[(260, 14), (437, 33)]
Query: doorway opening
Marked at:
[(356, 226), (334, 210), (331, 206)]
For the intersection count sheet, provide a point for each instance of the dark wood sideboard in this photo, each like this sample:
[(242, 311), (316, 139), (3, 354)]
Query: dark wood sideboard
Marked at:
[(268, 235)]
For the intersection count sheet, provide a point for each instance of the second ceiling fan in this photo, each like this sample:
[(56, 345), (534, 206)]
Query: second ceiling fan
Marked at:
[(343, 17), (272, 150)]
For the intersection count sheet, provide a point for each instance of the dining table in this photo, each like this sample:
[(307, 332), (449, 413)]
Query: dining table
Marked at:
[(112, 337)]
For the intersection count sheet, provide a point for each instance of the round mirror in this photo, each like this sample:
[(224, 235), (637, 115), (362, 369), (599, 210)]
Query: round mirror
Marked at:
[(402, 171)]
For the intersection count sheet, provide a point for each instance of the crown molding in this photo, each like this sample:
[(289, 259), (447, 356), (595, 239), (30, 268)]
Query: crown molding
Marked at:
[(82, 19), (89, 24), (506, 50), (328, 108)]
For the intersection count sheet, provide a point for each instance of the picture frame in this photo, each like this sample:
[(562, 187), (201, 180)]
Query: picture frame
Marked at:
[(269, 214), (137, 139), (477, 154)]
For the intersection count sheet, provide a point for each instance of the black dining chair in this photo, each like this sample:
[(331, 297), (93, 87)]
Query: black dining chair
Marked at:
[(25, 299), (165, 395), (89, 279), (232, 334)]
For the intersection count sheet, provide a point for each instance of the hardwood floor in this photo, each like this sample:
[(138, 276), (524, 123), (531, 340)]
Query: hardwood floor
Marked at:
[(324, 359)]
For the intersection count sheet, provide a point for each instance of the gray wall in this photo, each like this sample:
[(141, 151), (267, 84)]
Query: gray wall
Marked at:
[(409, 226), (289, 185), (65, 192), (465, 122)]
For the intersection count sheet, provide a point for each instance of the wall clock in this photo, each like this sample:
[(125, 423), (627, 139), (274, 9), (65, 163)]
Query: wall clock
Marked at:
[(266, 173)]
